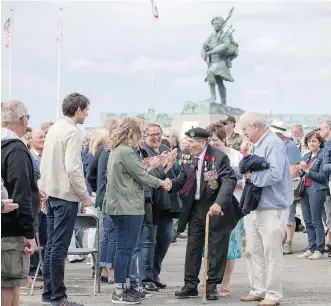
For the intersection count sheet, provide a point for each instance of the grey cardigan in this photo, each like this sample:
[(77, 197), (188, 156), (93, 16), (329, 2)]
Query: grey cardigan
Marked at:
[(125, 180)]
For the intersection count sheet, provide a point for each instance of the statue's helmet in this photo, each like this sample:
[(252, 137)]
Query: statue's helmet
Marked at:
[(217, 19)]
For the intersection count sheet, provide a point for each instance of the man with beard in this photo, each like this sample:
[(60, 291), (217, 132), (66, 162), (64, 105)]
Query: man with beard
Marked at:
[(206, 183)]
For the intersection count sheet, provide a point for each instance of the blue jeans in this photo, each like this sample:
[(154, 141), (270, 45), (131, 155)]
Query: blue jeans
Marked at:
[(156, 240), (312, 202), (126, 231), (108, 245), (134, 276), (61, 218), (164, 236)]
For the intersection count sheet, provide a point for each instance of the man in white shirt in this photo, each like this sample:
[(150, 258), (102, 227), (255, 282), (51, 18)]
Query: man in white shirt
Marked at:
[(63, 179)]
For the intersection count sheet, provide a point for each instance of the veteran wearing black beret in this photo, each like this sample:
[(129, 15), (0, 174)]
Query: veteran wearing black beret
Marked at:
[(206, 184)]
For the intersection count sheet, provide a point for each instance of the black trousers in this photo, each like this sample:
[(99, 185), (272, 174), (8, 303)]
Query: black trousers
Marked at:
[(42, 230), (218, 251)]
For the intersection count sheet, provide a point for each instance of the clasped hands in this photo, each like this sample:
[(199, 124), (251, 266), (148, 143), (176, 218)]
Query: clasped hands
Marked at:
[(166, 184), (302, 167)]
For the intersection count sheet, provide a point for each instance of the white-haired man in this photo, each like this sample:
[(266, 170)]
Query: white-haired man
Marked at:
[(17, 227), (265, 226)]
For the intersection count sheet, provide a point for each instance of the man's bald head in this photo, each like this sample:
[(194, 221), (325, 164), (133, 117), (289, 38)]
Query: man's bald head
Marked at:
[(38, 140), (14, 116)]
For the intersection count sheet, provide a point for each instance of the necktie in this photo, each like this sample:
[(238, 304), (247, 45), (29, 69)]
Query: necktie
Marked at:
[(185, 191)]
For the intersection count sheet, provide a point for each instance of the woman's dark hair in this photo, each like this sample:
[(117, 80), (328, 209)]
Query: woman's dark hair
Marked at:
[(219, 130), (73, 102), (310, 135)]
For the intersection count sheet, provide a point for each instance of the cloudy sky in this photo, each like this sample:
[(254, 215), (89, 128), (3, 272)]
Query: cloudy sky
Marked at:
[(284, 62)]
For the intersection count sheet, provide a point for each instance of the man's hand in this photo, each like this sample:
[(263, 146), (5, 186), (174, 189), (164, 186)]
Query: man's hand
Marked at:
[(215, 210), (43, 195), (8, 206), (87, 202), (30, 246), (247, 175), (166, 184)]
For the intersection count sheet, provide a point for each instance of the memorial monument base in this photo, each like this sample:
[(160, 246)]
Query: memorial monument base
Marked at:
[(202, 113)]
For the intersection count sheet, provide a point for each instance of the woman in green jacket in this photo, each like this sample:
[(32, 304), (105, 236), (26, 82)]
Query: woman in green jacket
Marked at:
[(125, 202)]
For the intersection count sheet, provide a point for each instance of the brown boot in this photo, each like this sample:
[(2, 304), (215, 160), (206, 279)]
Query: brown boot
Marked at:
[(251, 298)]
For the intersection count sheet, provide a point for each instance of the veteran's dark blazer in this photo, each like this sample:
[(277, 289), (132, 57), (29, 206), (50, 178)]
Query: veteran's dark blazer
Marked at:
[(222, 195)]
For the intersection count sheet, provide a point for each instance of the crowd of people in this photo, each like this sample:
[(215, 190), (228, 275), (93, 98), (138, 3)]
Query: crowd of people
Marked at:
[(148, 187)]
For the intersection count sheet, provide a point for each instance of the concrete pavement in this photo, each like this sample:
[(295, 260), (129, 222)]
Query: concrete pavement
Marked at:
[(306, 282)]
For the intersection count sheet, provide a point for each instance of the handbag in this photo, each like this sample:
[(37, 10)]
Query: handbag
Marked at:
[(299, 185)]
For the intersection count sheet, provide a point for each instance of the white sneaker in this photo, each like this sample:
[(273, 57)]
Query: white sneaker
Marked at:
[(316, 255), (306, 254)]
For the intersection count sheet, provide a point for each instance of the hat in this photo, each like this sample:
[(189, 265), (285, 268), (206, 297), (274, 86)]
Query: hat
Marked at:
[(278, 126), (228, 119), (198, 133)]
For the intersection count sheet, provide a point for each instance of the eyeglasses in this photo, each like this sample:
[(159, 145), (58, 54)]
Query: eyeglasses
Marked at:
[(26, 116), (154, 135)]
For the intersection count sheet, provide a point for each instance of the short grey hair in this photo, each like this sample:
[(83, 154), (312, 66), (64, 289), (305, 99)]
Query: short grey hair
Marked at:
[(298, 125), (110, 124), (327, 122), (173, 132), (254, 119), (12, 112)]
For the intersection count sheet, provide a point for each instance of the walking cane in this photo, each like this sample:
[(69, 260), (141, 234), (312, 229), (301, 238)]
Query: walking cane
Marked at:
[(205, 259)]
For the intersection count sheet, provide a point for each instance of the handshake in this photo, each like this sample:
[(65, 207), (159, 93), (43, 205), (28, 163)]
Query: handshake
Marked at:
[(166, 184)]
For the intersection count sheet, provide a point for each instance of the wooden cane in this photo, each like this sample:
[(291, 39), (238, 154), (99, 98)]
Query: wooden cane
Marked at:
[(205, 259)]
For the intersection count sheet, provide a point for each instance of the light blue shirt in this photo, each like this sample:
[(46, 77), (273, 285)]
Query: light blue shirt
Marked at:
[(276, 181), (292, 152)]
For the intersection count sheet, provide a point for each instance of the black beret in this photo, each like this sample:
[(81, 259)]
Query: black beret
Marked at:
[(197, 133)]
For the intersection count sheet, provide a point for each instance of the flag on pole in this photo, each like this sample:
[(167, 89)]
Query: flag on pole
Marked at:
[(155, 11), (7, 29)]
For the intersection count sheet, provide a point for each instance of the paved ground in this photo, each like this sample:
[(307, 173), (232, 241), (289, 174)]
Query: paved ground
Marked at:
[(306, 282)]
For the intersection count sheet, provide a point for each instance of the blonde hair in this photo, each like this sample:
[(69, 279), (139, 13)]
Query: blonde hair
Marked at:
[(46, 125), (110, 124), (98, 139), (125, 131)]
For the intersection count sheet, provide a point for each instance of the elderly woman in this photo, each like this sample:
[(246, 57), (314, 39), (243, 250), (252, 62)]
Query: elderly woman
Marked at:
[(218, 140), (314, 195), (124, 202)]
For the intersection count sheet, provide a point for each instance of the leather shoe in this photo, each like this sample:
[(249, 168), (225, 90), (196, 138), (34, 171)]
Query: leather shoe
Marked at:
[(160, 285), (186, 293), (268, 302), (150, 287), (212, 295)]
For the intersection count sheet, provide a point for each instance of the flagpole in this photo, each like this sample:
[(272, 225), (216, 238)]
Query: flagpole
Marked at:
[(58, 104), (153, 60), (10, 53)]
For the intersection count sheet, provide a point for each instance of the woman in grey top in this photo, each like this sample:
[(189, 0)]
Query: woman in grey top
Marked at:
[(125, 202)]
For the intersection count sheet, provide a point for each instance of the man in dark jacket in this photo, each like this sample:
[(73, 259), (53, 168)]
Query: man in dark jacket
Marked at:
[(207, 183), (18, 226)]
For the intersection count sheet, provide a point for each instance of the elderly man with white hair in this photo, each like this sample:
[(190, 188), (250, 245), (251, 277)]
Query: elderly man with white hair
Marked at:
[(17, 227), (265, 226)]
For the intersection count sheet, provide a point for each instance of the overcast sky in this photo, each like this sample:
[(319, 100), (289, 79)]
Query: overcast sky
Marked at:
[(284, 62)]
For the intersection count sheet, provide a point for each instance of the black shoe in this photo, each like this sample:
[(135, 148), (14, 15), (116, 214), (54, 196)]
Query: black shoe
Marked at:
[(125, 298), (160, 285), (104, 279), (138, 293), (186, 293), (69, 302), (212, 295), (150, 286)]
